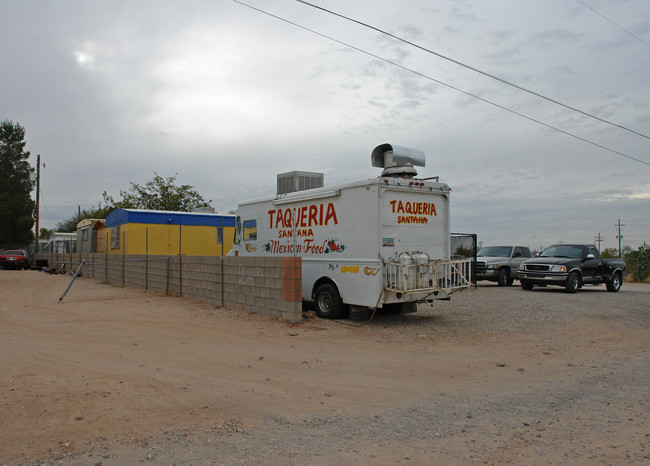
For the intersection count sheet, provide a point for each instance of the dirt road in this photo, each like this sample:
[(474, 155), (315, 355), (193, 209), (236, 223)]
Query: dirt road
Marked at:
[(494, 376)]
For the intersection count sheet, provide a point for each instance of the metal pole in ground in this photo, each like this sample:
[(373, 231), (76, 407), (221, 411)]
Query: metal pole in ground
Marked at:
[(76, 274)]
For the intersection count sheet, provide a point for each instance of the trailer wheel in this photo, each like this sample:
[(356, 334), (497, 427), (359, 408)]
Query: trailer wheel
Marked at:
[(328, 302)]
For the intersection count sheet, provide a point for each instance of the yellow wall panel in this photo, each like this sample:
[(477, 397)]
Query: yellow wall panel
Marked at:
[(191, 240)]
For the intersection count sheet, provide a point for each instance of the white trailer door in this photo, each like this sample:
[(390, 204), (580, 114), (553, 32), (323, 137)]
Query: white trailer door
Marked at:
[(415, 220)]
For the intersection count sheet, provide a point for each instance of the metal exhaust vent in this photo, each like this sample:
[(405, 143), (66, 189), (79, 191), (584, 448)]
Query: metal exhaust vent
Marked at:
[(397, 161)]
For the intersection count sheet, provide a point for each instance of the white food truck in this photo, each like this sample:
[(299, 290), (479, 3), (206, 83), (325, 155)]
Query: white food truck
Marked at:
[(378, 243)]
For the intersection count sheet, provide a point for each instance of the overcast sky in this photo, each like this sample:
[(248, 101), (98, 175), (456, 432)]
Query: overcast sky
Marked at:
[(227, 97)]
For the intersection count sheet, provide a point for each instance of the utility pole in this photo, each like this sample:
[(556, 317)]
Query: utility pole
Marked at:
[(599, 239), (38, 197), (619, 236)]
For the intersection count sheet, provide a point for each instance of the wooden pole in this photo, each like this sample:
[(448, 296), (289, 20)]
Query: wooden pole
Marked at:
[(38, 188)]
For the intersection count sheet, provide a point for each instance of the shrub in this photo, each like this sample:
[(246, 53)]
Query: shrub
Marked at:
[(638, 262)]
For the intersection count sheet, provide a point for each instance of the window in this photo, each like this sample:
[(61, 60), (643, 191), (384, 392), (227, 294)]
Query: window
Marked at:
[(495, 251), (522, 252), (115, 237), (84, 234), (250, 230), (219, 235)]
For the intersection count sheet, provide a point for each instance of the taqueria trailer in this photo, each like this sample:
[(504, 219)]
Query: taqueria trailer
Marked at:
[(378, 243)]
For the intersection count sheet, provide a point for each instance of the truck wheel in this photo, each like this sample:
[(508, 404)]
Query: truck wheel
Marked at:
[(510, 281), (614, 283), (328, 302), (572, 283), (502, 278), (526, 286)]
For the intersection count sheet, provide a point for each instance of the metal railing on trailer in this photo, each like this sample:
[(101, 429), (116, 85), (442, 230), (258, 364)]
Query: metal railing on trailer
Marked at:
[(437, 275)]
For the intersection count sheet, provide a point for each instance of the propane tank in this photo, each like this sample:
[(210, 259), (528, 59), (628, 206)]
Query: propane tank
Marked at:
[(407, 275), (405, 258), (423, 269), (420, 258)]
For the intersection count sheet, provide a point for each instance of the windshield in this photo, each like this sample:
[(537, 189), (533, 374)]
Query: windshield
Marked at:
[(495, 251), (562, 250)]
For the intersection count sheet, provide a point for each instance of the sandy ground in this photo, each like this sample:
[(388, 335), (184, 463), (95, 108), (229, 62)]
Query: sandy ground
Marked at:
[(494, 376)]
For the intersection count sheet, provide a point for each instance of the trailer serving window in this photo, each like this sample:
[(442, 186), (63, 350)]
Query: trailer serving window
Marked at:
[(250, 230)]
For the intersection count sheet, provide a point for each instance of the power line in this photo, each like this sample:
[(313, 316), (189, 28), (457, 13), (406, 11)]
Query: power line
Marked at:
[(514, 112), (615, 24), (464, 65), (44, 206)]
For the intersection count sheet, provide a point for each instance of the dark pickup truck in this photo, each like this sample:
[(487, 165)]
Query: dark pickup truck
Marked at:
[(571, 266)]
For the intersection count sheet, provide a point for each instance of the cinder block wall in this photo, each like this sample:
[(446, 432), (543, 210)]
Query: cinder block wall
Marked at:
[(267, 285)]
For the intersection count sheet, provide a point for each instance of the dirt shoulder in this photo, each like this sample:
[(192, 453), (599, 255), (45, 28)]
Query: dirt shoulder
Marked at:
[(495, 375)]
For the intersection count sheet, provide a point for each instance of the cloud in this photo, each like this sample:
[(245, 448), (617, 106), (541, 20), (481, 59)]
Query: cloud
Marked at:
[(226, 97)]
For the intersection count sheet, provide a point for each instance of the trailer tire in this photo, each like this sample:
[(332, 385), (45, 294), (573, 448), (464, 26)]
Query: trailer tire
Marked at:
[(327, 302)]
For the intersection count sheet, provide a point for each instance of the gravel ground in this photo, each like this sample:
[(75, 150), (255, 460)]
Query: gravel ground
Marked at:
[(493, 376)]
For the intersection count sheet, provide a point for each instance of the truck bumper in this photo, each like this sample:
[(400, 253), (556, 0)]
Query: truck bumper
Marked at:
[(543, 277), (11, 265), (490, 275)]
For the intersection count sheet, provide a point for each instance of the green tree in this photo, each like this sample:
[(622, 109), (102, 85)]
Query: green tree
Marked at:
[(157, 194), (638, 262), (16, 204), (161, 194), (608, 253), (45, 233)]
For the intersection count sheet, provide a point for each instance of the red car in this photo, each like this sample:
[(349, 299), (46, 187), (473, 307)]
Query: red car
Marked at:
[(15, 259)]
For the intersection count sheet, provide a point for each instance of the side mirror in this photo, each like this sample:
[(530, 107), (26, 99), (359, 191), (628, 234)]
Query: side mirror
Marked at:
[(590, 256)]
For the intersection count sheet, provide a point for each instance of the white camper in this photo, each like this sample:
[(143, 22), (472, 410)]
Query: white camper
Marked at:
[(378, 243)]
